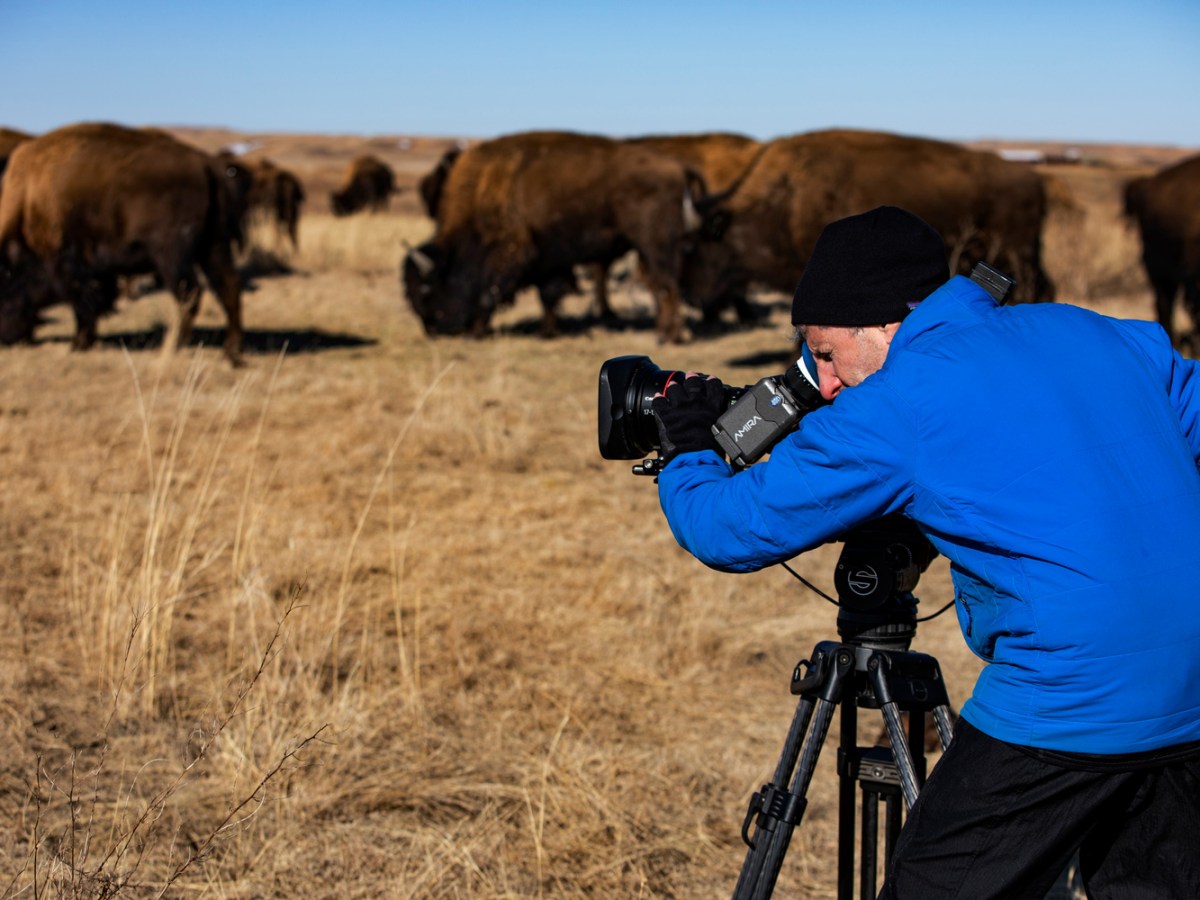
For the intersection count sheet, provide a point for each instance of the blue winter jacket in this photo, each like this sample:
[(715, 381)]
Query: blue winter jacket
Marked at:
[(1050, 453)]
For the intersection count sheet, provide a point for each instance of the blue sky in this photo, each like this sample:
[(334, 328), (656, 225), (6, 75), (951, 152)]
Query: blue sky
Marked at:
[(1107, 70)]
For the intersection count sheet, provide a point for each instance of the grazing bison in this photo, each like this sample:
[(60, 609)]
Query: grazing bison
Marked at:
[(1166, 207), (277, 193), (984, 207), (718, 157), (87, 204), (9, 139), (524, 209), (367, 183)]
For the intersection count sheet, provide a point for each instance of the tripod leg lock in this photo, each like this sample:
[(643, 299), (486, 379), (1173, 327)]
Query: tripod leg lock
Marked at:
[(773, 804)]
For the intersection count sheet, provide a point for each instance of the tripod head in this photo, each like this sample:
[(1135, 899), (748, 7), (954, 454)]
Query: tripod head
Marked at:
[(880, 565)]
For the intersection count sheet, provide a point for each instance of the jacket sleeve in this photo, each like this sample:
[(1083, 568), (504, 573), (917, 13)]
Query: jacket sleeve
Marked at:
[(1180, 376), (845, 465)]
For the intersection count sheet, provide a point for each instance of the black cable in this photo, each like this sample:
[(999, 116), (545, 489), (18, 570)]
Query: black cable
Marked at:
[(820, 593), (808, 584)]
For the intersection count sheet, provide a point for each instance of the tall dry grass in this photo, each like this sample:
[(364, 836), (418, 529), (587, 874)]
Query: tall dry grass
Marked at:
[(365, 242), (371, 617)]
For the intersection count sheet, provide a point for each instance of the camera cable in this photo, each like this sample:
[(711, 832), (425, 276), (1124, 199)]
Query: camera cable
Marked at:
[(820, 593)]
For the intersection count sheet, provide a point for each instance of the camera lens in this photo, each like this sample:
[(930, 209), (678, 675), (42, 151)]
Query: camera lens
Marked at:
[(625, 423)]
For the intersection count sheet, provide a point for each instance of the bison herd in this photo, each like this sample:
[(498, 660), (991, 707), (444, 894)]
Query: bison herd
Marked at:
[(709, 218)]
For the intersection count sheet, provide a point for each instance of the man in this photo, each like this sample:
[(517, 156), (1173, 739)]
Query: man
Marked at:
[(1050, 454)]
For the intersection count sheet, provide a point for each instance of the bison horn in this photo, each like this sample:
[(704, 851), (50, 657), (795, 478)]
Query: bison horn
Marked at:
[(422, 261), (692, 220)]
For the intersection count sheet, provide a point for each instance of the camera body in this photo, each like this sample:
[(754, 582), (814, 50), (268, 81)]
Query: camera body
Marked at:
[(767, 410)]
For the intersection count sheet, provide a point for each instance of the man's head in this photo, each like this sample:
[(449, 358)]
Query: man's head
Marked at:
[(866, 273)]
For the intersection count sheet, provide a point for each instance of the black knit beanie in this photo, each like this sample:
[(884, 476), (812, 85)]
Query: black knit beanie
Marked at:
[(870, 269)]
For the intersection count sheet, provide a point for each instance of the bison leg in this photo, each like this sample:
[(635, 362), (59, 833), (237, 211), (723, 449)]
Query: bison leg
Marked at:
[(747, 312), (93, 298), (598, 272), (187, 293), (291, 230), (668, 307), (551, 290), (549, 312), (1191, 302), (1164, 304), (224, 281), (668, 313)]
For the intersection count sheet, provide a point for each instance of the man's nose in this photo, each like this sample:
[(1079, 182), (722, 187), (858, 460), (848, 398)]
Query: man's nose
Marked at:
[(829, 382)]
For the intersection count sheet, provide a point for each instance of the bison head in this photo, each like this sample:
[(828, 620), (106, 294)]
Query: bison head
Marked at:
[(445, 289), (712, 272), (19, 310), (341, 203), (24, 291), (18, 321)]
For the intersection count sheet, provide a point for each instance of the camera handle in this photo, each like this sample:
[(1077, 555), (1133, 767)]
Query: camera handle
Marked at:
[(650, 466), (848, 676)]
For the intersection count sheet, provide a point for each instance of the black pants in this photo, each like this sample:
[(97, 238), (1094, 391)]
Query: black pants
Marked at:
[(996, 820)]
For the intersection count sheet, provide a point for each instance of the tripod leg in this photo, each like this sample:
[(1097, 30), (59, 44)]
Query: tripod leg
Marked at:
[(941, 718), (847, 785), (778, 809), (869, 840), (892, 824), (877, 668)]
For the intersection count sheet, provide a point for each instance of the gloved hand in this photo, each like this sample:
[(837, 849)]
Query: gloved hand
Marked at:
[(685, 414)]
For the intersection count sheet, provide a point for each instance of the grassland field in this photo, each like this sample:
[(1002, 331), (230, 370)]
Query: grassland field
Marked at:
[(370, 616)]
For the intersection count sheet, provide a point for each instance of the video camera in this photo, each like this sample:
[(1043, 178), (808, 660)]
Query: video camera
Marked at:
[(757, 416)]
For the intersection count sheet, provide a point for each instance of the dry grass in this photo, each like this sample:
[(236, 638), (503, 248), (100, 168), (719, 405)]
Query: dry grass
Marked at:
[(371, 617)]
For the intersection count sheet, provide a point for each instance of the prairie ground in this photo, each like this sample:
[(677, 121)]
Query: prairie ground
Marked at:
[(370, 616)]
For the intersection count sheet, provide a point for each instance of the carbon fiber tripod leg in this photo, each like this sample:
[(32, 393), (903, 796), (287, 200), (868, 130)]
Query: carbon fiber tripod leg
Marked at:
[(777, 809)]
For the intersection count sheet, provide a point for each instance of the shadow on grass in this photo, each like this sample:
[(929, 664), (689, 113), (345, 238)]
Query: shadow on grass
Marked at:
[(626, 321), (780, 358), (255, 342)]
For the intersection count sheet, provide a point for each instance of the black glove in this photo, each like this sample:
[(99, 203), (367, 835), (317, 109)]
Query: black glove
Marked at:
[(685, 415)]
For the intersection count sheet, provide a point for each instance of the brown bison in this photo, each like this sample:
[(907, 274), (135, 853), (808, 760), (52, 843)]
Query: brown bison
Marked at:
[(277, 193), (367, 183), (87, 204), (9, 139), (524, 209), (984, 207), (718, 157), (1166, 208)]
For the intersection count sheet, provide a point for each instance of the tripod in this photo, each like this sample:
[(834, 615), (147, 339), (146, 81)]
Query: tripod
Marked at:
[(871, 667)]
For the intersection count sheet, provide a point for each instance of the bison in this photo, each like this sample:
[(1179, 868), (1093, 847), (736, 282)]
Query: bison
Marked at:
[(718, 157), (279, 194), (524, 209), (1166, 208), (87, 204), (367, 183), (984, 207)]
